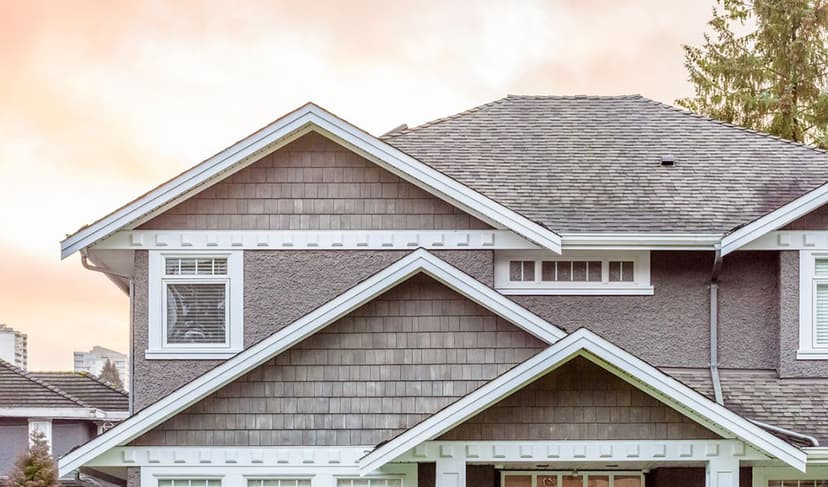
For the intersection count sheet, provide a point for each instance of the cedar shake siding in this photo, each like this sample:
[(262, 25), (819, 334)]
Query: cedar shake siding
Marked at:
[(579, 401), (313, 183), (280, 286), (815, 220), (362, 380)]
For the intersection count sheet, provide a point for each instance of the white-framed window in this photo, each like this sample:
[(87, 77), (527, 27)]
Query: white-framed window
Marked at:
[(369, 482), (817, 476), (195, 304), (278, 482), (536, 478), (813, 305), (183, 482), (573, 272)]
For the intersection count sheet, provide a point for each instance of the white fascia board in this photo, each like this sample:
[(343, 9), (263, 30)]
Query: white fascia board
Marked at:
[(297, 123), (416, 262), (583, 342), (53, 413), (775, 219), (640, 241)]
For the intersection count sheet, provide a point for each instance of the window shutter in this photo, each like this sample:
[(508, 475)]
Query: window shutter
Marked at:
[(821, 315)]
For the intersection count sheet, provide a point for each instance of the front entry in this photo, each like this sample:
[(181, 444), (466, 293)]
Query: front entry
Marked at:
[(533, 478)]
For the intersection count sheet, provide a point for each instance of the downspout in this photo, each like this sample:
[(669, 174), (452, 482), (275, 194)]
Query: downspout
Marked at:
[(714, 326), (111, 274)]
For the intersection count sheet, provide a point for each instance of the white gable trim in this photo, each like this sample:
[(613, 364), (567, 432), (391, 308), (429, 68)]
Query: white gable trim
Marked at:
[(630, 368), (297, 123), (416, 262), (775, 219)]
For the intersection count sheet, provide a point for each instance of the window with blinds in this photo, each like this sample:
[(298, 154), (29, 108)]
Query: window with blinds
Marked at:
[(189, 482), (196, 291)]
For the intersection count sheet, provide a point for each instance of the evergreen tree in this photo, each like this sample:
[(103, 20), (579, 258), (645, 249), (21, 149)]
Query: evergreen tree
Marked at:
[(35, 467), (109, 373), (765, 67)]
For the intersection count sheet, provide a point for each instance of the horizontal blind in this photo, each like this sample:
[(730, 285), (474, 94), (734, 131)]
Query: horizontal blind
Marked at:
[(821, 315), (196, 312)]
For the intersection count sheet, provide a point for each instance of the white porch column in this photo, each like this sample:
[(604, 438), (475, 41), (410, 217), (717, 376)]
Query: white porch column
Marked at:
[(451, 468), (723, 471)]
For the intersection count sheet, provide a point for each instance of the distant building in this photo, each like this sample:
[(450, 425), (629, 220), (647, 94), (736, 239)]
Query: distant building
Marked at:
[(93, 361), (13, 346)]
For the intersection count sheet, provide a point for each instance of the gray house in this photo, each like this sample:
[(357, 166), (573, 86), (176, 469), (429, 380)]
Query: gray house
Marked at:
[(68, 408), (537, 292)]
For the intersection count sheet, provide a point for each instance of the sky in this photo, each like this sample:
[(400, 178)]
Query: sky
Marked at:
[(102, 100)]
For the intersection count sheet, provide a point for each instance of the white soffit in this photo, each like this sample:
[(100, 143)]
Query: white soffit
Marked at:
[(615, 360), (299, 122), (416, 262)]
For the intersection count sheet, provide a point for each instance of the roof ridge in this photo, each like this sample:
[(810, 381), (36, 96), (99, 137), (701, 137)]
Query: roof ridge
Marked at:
[(579, 97), (732, 125), (436, 121), (17, 370)]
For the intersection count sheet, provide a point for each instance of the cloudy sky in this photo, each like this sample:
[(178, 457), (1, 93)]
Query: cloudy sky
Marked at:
[(100, 100)]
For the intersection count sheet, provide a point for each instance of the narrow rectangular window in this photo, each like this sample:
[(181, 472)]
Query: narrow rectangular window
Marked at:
[(189, 482), (522, 270), (280, 482)]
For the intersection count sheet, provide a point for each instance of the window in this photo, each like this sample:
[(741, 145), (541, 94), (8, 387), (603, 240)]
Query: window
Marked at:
[(574, 272), (189, 483), (797, 483), (195, 305), (569, 479), (813, 305), (369, 482), (278, 482)]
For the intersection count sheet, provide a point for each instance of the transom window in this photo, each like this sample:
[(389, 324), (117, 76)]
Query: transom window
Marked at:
[(278, 482), (813, 305), (189, 482), (574, 272), (195, 305), (570, 479), (369, 482)]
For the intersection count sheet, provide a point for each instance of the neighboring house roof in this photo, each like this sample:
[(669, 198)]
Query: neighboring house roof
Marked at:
[(284, 130), (19, 389), (614, 359), (88, 388), (419, 261), (796, 404), (592, 164)]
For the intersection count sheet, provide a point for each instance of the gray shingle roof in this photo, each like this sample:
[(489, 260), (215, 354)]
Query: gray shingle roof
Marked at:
[(20, 389), (592, 164), (88, 388), (799, 405)]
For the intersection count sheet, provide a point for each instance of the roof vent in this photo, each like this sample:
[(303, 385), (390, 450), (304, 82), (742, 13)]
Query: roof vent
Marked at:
[(668, 160)]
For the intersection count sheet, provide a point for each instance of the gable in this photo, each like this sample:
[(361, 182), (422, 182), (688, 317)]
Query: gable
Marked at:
[(363, 379), (313, 183), (579, 401), (815, 220)]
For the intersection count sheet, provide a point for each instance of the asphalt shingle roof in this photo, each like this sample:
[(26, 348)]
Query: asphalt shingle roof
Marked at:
[(799, 405), (592, 164), (18, 388), (88, 388)]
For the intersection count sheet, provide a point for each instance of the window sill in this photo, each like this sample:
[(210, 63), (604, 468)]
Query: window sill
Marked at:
[(190, 354), (563, 291), (811, 354)]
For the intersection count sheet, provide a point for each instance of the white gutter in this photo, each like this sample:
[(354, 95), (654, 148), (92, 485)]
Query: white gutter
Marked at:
[(64, 413), (642, 241)]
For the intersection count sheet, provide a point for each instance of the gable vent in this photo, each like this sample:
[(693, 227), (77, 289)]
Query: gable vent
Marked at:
[(668, 160)]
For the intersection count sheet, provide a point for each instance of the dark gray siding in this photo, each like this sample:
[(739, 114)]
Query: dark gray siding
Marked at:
[(313, 184), (789, 366), (14, 434), (579, 401), (364, 379), (66, 435), (280, 287)]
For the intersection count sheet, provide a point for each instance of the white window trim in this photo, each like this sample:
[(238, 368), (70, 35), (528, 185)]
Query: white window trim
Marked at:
[(45, 427), (640, 286), (158, 348), (807, 305)]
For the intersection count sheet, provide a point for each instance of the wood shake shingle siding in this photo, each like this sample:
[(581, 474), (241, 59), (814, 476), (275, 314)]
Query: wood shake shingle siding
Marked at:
[(364, 379), (313, 183), (579, 401)]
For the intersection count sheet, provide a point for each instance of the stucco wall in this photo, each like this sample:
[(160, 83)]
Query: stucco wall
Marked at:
[(14, 434), (362, 380), (313, 184), (789, 366), (671, 328), (579, 401), (280, 287)]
